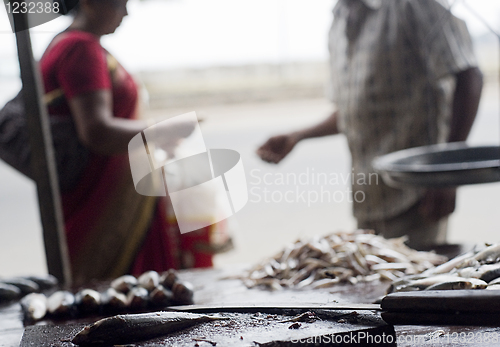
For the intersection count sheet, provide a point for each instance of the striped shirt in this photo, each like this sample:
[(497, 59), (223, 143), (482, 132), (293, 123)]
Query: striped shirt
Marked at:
[(392, 68)]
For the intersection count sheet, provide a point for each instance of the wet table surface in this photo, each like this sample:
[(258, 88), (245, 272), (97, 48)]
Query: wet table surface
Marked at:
[(262, 328)]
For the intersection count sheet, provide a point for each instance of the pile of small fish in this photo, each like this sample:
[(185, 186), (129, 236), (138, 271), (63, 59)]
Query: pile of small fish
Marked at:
[(477, 269), (126, 293), (342, 257), (16, 287)]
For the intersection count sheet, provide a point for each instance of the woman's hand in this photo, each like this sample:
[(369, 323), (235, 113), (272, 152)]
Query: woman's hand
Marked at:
[(172, 133), (101, 132)]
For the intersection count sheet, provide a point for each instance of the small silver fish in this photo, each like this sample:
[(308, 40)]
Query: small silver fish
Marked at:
[(458, 283), (451, 285), (124, 283), (161, 296), (113, 300), (467, 272), (149, 280), (402, 282), (488, 271), (270, 283), (168, 278), (494, 282), (34, 306), (137, 298), (88, 300), (491, 273), (325, 283), (388, 275), (391, 266), (429, 281), (489, 254), (125, 329), (26, 286), (306, 282), (44, 282), (449, 265), (60, 303), (9, 292), (373, 259), (183, 293), (422, 283)]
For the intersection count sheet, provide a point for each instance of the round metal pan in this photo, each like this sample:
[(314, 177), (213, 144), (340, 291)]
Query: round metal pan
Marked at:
[(448, 164)]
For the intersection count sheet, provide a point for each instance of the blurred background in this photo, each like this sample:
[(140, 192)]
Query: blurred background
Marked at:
[(250, 69)]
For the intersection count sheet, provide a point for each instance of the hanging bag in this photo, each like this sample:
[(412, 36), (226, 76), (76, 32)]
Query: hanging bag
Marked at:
[(71, 156)]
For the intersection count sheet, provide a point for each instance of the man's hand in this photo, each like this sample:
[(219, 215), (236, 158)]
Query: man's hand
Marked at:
[(277, 147), (438, 203)]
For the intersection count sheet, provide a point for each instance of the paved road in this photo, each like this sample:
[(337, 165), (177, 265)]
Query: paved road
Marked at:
[(268, 221)]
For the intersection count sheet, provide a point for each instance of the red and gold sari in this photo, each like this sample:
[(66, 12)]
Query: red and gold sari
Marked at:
[(110, 228)]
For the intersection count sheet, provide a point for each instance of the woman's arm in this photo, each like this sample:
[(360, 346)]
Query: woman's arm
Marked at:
[(97, 128), (104, 134)]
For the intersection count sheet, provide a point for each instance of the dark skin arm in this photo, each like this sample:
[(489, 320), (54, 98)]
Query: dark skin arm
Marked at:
[(278, 147), (465, 103), (439, 203), (102, 133)]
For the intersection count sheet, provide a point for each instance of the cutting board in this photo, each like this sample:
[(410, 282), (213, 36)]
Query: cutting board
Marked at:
[(257, 329)]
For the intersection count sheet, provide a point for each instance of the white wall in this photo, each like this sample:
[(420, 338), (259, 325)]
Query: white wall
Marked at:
[(161, 34)]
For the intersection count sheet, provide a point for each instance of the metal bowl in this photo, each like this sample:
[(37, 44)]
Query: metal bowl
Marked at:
[(448, 164)]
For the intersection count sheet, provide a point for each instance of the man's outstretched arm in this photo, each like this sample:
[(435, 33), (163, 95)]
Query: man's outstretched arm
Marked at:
[(278, 147)]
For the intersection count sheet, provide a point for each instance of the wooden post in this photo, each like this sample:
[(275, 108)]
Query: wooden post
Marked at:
[(42, 157)]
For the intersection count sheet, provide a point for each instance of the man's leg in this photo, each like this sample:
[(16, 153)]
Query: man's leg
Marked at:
[(421, 233)]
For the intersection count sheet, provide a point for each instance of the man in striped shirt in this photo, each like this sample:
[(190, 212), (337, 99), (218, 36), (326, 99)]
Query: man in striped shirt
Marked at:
[(403, 74)]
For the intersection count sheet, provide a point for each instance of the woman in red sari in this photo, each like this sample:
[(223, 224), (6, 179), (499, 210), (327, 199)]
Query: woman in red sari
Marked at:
[(110, 228)]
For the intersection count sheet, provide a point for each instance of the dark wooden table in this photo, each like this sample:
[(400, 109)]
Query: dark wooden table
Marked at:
[(212, 287)]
